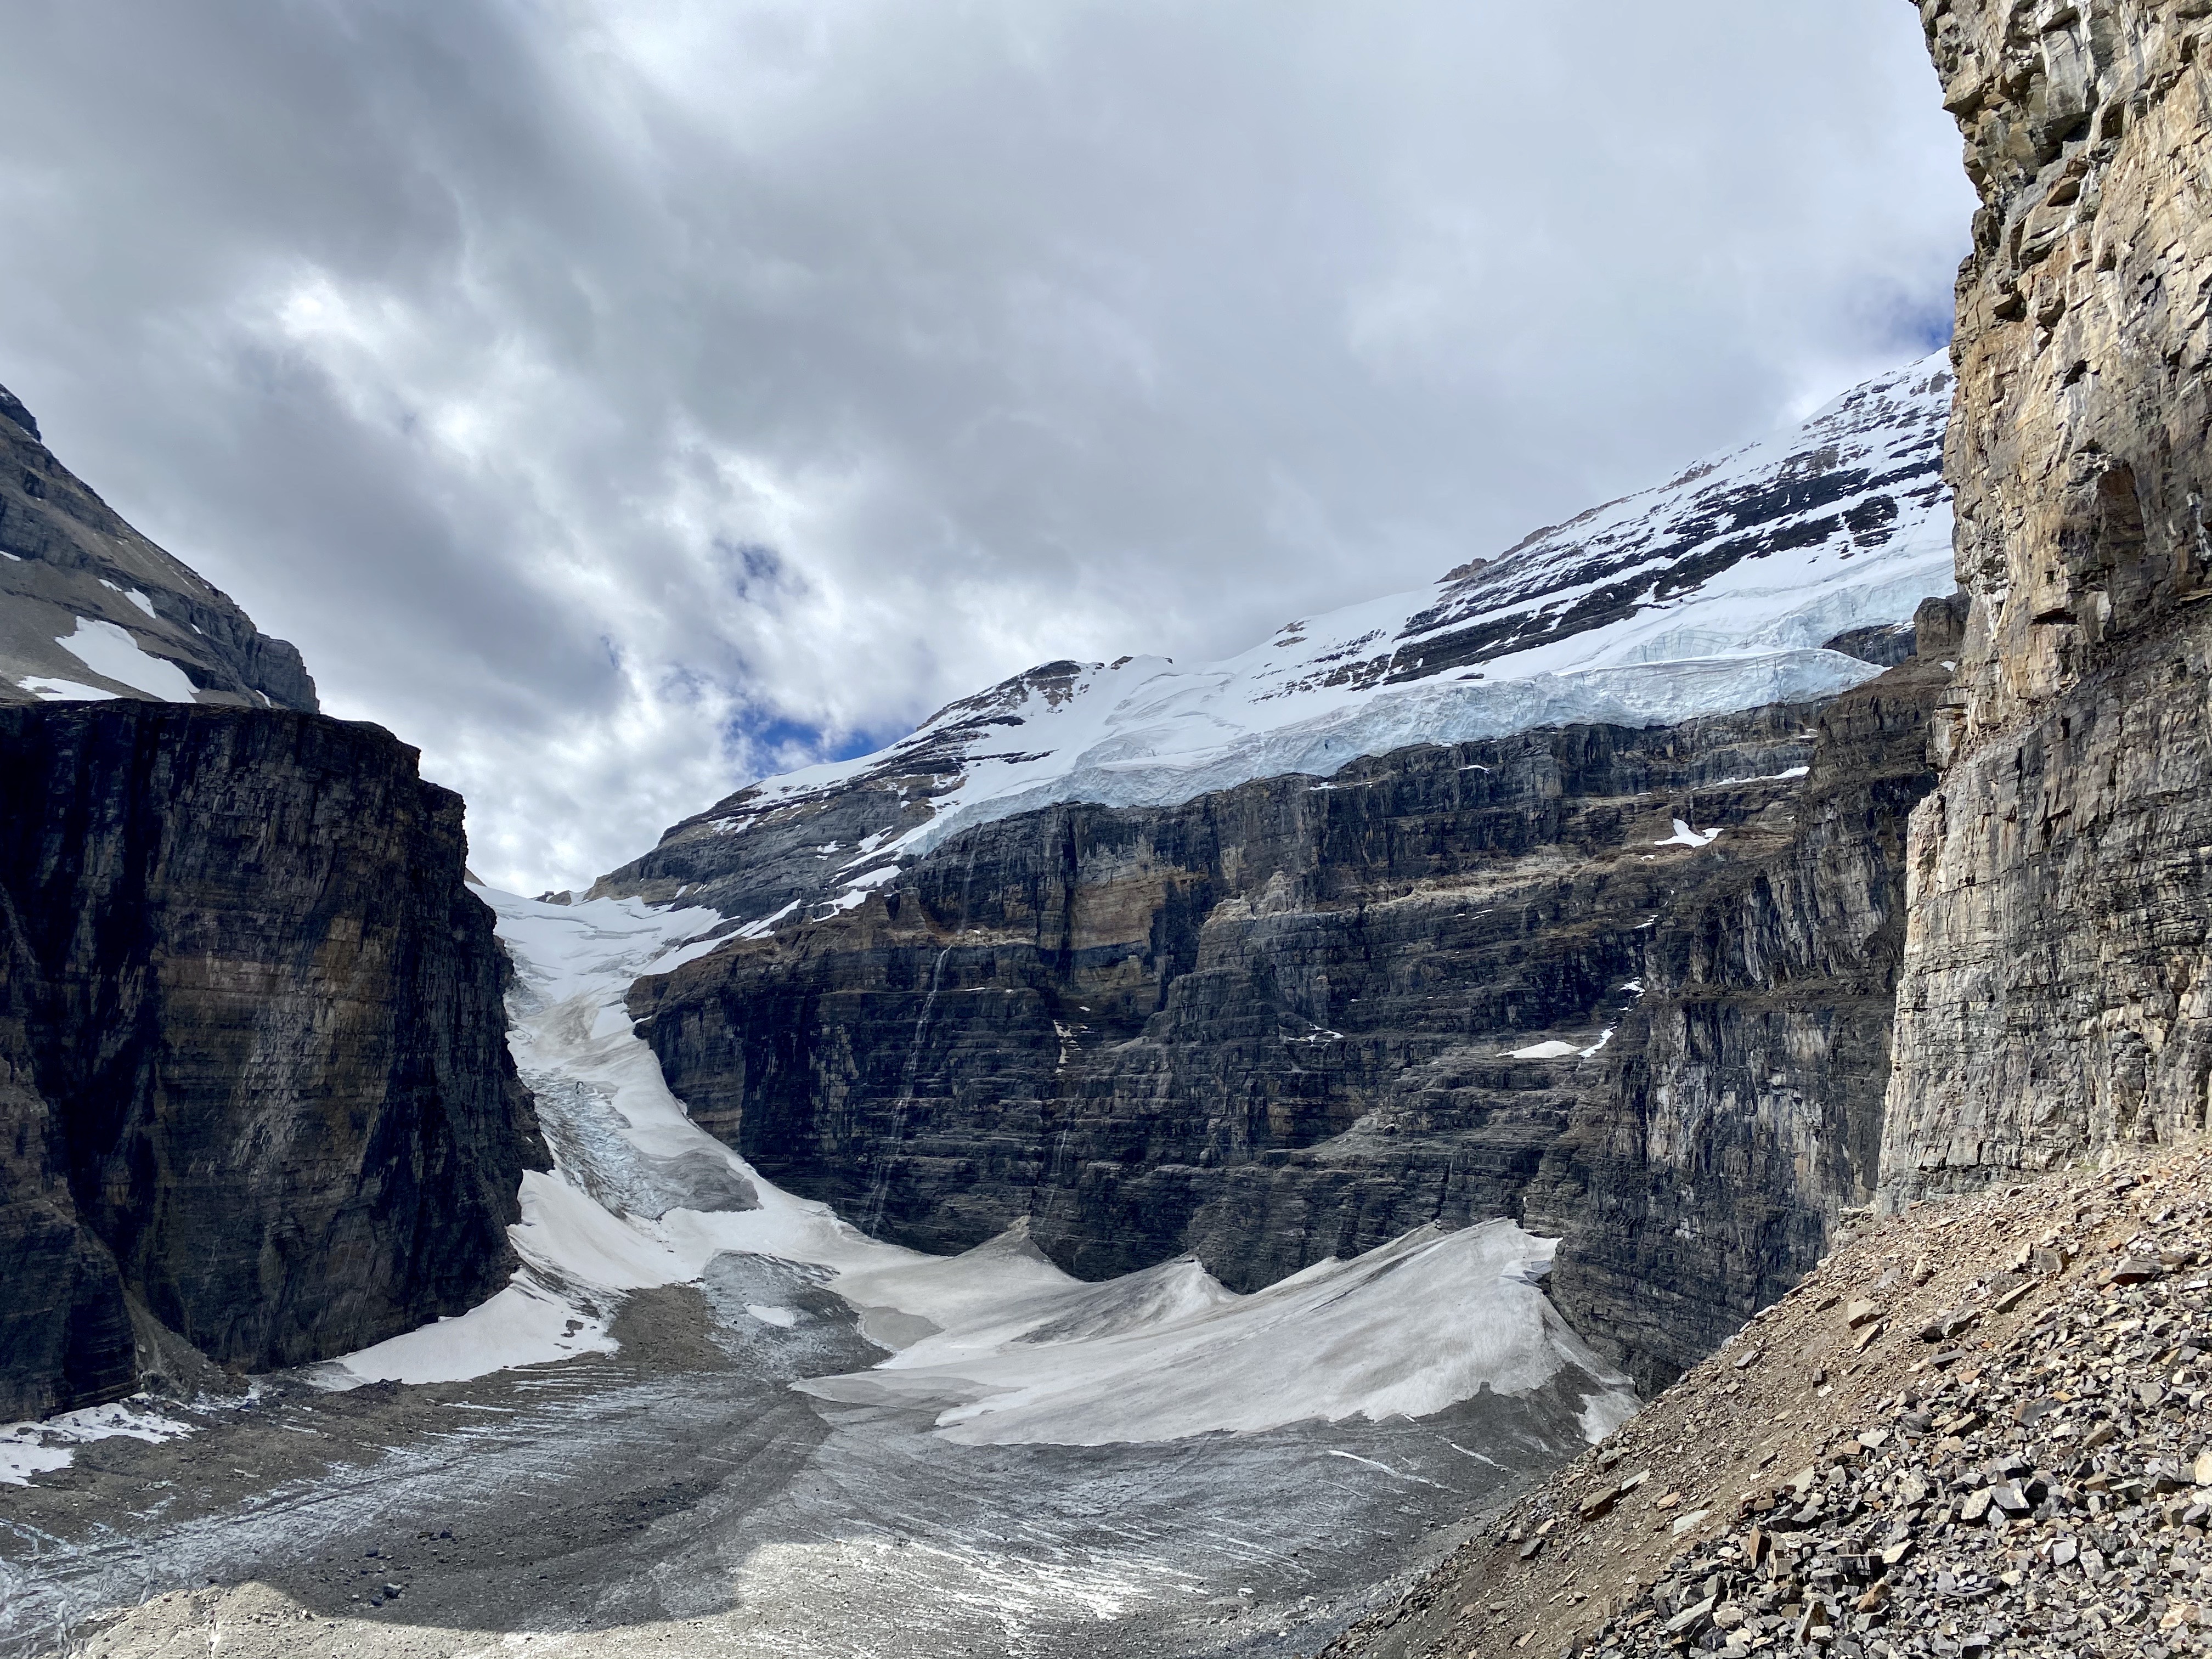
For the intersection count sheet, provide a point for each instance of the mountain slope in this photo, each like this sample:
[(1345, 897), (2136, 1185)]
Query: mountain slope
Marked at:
[(256, 1105), (89, 609), (1717, 591), (1281, 958)]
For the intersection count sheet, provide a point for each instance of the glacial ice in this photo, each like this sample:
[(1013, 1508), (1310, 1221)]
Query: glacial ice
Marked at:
[(1025, 1352), (1327, 690)]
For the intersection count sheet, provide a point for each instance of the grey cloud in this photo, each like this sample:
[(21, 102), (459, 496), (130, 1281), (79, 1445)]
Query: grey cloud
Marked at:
[(463, 343)]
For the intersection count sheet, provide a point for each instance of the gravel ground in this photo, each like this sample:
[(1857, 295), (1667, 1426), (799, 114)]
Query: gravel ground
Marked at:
[(1982, 1428), (679, 1499)]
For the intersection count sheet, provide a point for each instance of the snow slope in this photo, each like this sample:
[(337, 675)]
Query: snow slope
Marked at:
[(1715, 592), (1408, 1328), (641, 1197)]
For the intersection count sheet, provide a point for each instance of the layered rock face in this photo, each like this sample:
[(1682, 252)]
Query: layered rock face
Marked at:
[(1270, 1025), (2053, 996), (1280, 1023), (254, 1088), (1706, 1174), (90, 609)]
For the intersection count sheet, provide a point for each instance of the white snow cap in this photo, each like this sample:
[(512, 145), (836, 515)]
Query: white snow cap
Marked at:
[(1713, 592)]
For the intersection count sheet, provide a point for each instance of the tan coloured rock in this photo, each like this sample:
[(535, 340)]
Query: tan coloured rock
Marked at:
[(2055, 995)]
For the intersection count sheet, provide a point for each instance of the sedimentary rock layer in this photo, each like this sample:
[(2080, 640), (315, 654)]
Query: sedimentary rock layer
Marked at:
[(253, 1067), (2052, 998), (1280, 1022), (1706, 1177)]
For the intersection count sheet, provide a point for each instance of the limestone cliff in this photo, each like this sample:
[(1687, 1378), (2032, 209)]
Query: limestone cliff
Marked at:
[(254, 1089), (2054, 996), (1297, 1018)]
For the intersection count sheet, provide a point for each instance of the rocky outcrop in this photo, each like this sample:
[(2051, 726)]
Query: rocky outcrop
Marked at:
[(1297, 1018), (90, 609), (254, 1088), (2053, 999)]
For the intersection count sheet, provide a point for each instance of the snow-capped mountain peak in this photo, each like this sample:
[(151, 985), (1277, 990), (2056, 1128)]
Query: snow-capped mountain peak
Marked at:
[(1724, 588)]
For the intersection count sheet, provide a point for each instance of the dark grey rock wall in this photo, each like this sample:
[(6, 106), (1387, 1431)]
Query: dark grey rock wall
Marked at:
[(253, 1074), (1746, 1117), (1276, 1024)]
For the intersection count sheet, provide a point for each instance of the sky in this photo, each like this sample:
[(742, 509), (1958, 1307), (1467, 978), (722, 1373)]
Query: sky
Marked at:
[(621, 400)]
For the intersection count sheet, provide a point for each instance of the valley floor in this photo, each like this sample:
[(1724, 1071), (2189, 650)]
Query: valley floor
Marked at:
[(678, 1498), (611, 1455)]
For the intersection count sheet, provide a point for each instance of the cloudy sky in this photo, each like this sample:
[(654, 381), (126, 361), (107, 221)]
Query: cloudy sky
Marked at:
[(621, 399)]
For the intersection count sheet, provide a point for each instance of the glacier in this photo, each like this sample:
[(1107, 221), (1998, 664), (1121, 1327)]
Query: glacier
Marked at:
[(1725, 588)]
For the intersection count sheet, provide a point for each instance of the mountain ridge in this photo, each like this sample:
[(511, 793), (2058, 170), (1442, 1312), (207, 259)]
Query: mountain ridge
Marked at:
[(91, 609), (1719, 590)]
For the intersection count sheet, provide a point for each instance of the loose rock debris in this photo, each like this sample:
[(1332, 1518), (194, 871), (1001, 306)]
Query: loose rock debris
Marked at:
[(1983, 1428)]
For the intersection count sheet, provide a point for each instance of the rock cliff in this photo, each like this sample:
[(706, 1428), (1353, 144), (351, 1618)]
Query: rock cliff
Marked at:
[(90, 609), (254, 1089), (1297, 1018), (1707, 1174), (1568, 890), (2053, 998)]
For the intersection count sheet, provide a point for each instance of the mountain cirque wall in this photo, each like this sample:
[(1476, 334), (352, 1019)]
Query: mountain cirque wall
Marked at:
[(2054, 997), (1706, 1174), (254, 1085), (70, 569), (1388, 920), (1277, 1024)]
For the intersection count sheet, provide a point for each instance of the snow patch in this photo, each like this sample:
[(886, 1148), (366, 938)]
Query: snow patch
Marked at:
[(1765, 777), (1686, 837), (766, 925), (112, 653), (133, 595), (53, 690), (33, 1449), (1550, 1049)]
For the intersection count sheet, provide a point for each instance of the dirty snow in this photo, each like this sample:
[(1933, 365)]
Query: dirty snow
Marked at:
[(31, 1448), (640, 1197), (1409, 1329), (133, 595)]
